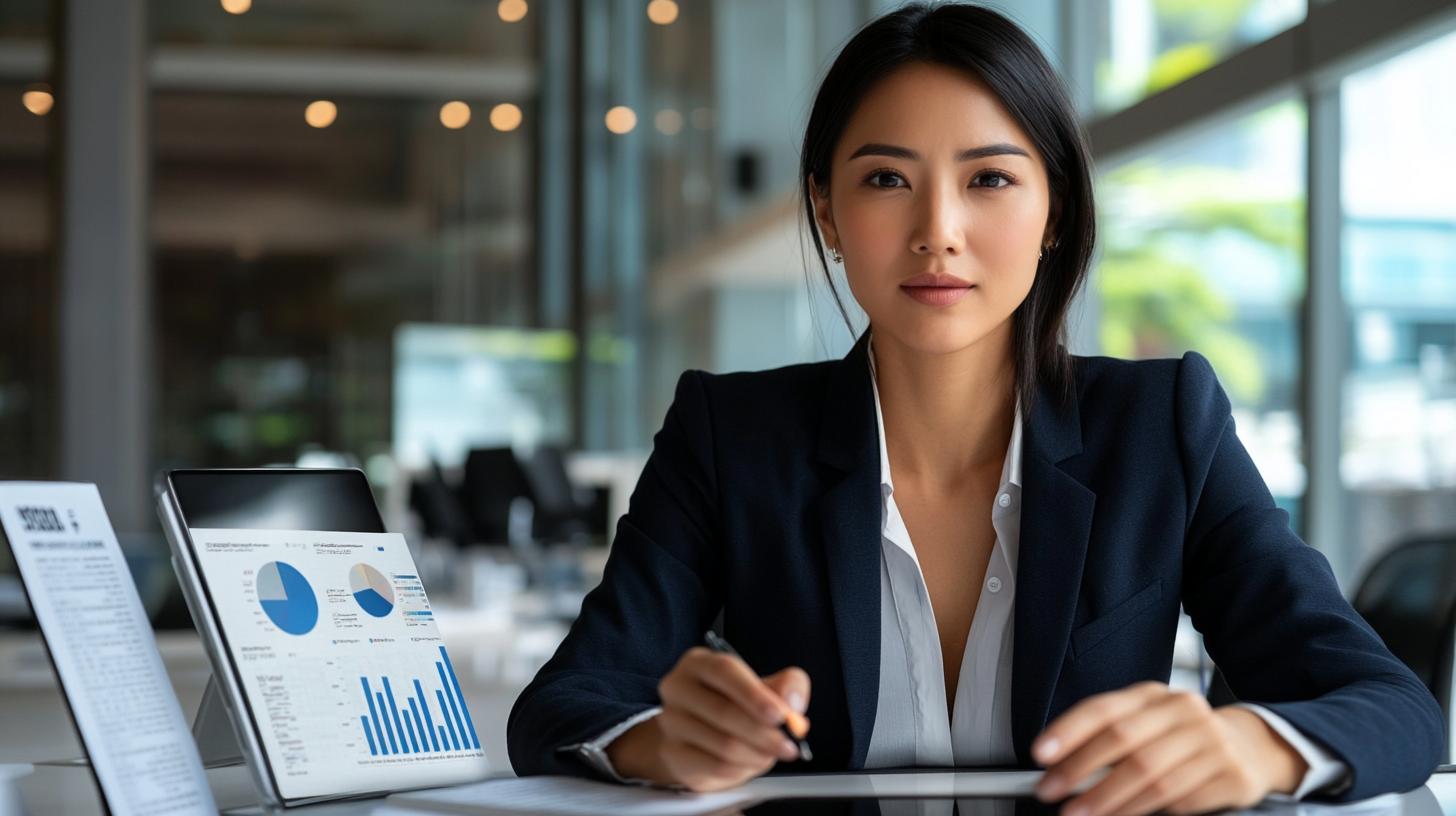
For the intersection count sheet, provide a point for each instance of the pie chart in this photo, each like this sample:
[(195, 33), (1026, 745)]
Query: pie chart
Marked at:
[(287, 598), (371, 589)]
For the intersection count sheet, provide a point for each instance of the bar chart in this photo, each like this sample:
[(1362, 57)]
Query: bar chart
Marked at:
[(413, 723)]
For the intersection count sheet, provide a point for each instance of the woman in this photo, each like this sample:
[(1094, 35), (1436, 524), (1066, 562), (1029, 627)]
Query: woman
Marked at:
[(975, 545)]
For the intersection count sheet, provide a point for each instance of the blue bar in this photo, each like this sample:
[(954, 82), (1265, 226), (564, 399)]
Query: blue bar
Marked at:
[(441, 697), (369, 736), (464, 737), (374, 715), (410, 727), (424, 703), (394, 712), (464, 708), (420, 727), (442, 737), (394, 749)]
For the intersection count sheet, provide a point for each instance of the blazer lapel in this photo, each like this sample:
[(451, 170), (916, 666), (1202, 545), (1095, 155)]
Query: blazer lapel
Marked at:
[(850, 515), (1056, 521)]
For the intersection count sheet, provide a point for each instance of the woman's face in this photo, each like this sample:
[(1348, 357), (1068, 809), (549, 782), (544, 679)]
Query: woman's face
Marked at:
[(940, 205)]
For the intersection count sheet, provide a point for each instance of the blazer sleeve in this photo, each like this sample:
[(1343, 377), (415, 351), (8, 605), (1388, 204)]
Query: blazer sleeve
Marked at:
[(659, 593), (1274, 620)]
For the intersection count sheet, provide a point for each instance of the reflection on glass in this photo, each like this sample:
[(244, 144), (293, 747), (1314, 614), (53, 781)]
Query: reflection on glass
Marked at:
[(1204, 250), (1399, 440), (1149, 45)]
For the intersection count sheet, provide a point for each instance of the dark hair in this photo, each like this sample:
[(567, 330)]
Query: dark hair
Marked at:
[(990, 47)]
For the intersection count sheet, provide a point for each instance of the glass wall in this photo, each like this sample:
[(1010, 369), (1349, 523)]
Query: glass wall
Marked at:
[(1148, 45), (1203, 250), (28, 349), (323, 174), (1398, 458)]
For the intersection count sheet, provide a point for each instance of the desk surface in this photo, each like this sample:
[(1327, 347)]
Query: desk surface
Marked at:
[(52, 791)]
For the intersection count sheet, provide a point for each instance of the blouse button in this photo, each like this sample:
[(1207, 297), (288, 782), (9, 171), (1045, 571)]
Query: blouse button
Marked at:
[(1004, 500), (993, 583)]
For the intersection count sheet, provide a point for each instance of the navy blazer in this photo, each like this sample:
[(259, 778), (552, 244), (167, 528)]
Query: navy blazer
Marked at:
[(762, 499)]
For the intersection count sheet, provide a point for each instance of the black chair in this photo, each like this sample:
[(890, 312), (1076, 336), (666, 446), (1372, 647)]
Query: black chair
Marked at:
[(439, 508), (563, 511), (493, 479), (1409, 599)]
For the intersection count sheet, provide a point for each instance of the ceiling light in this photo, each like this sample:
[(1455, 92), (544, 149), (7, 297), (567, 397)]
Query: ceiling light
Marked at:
[(621, 119), (236, 6), (662, 12), (455, 115), (668, 121), (511, 10), (505, 116), (321, 114), (38, 102)]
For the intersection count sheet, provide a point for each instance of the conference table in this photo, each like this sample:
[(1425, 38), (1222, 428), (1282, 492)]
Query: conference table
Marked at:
[(44, 790)]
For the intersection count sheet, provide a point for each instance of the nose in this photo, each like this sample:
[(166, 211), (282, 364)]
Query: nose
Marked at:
[(941, 226)]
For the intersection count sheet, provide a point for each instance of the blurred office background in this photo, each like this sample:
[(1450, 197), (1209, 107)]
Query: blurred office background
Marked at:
[(469, 245)]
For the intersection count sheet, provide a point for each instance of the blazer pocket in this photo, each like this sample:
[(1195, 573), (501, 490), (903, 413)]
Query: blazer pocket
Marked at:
[(1098, 630)]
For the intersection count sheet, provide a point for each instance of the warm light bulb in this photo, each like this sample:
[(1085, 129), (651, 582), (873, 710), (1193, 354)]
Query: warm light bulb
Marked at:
[(321, 114), (505, 116), (38, 102), (662, 12), (455, 115), (511, 10), (668, 121), (236, 6), (621, 119)]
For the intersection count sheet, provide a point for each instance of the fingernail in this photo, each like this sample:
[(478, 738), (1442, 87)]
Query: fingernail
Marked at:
[(1047, 749), (770, 715), (788, 750), (796, 701)]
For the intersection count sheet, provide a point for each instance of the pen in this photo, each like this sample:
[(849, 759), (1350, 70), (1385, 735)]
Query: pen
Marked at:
[(718, 644)]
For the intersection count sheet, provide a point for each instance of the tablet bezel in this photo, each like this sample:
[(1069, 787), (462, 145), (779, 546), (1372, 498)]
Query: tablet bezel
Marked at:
[(214, 639)]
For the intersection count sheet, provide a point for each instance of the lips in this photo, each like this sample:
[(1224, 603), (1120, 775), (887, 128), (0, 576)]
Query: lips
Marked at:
[(936, 288)]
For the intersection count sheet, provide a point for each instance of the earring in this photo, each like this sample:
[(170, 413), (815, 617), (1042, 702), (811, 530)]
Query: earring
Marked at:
[(1040, 255), (834, 255)]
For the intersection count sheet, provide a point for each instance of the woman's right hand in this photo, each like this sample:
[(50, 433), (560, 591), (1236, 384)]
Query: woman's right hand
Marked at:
[(719, 725)]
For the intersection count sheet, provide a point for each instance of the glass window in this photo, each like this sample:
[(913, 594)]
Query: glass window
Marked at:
[(28, 350), (1149, 45), (1203, 250), (323, 175), (1399, 438)]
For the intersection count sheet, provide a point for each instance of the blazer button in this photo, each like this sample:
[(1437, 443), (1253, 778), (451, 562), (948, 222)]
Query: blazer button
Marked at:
[(1004, 500), (993, 583)]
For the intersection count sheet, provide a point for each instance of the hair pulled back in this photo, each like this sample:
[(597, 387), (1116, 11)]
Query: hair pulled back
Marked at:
[(996, 51)]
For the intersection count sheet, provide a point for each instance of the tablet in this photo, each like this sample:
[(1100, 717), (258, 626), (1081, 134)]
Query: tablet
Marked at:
[(322, 640)]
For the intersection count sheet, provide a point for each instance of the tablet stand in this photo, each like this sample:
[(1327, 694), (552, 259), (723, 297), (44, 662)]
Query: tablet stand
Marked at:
[(217, 742)]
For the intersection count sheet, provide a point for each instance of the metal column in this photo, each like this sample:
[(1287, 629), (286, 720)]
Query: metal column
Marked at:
[(104, 257)]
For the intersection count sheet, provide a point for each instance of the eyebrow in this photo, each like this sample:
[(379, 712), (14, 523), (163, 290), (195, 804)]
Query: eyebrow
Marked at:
[(897, 152)]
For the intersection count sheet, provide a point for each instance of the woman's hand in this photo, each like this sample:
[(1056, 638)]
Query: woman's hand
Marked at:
[(1166, 750), (719, 725)]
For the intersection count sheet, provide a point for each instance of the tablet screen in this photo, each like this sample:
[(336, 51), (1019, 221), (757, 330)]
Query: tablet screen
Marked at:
[(335, 647)]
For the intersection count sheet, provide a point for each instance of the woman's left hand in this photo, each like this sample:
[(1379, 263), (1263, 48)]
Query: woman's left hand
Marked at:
[(1166, 751)]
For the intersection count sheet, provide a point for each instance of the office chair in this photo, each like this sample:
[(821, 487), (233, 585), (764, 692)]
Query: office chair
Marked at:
[(563, 510), (493, 480), (1409, 599), (439, 508)]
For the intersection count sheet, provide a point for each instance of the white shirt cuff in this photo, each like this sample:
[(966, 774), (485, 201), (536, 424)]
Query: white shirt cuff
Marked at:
[(594, 752), (1326, 773)]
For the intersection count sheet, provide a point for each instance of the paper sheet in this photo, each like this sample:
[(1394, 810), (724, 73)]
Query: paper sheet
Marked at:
[(102, 645)]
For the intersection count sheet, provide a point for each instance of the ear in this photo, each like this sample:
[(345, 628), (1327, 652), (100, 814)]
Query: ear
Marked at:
[(824, 214), (1054, 217)]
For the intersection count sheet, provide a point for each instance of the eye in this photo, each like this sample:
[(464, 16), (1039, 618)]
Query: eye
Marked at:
[(992, 179), (885, 179)]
